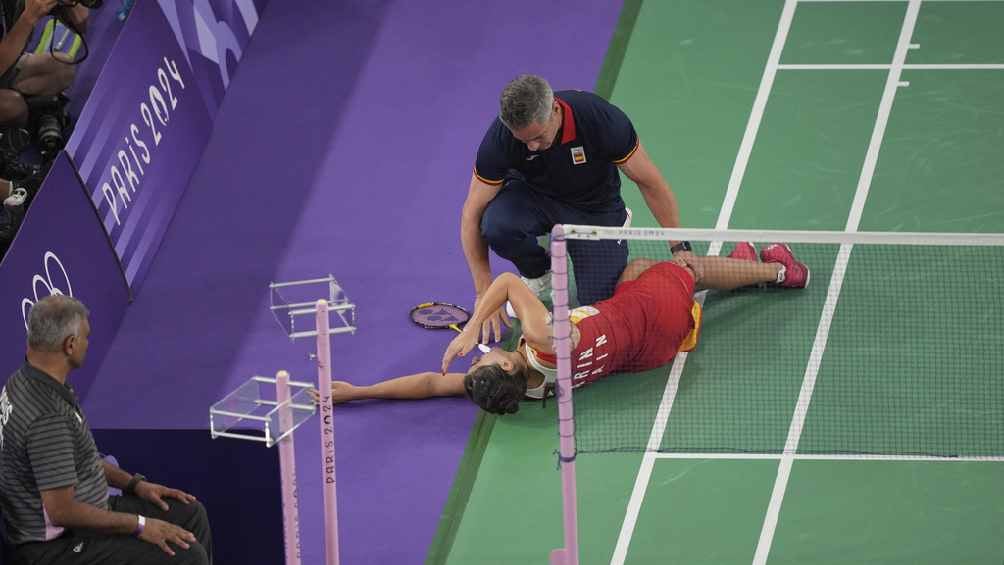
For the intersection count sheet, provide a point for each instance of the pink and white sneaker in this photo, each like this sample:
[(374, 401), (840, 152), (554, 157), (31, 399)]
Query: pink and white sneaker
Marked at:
[(744, 251), (793, 273)]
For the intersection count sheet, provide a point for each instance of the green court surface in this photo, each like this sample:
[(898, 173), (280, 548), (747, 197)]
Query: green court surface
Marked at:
[(891, 512), (690, 73)]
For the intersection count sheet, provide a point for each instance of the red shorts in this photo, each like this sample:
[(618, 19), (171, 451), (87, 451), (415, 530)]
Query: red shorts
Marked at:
[(660, 306)]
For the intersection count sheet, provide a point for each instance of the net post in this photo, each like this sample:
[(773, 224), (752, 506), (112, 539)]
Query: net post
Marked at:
[(569, 554), (327, 435), (287, 473)]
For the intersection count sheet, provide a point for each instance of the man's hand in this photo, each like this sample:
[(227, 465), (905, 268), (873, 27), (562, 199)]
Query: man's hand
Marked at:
[(159, 532), (76, 16), (341, 391), (156, 494), (493, 323), (687, 260), (35, 10), (460, 346)]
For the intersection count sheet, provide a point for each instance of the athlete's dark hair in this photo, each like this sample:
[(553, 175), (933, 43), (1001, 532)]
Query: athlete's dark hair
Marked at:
[(495, 390)]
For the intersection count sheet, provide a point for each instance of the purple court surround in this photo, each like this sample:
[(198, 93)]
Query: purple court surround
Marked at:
[(344, 145)]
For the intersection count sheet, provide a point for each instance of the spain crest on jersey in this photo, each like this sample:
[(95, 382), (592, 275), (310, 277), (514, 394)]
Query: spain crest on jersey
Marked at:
[(578, 155)]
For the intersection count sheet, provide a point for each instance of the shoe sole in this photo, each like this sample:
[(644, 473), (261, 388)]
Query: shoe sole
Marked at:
[(808, 272)]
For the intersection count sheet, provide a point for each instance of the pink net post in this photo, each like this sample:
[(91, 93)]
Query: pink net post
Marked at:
[(569, 554), (287, 472), (327, 421)]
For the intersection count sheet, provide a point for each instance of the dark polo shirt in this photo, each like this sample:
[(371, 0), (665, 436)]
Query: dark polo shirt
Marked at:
[(45, 444), (580, 168)]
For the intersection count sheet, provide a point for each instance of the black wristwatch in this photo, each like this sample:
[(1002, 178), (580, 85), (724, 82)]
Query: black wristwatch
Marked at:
[(136, 479), (682, 246)]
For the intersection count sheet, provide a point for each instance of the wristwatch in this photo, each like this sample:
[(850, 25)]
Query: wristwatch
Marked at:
[(130, 488), (682, 246)]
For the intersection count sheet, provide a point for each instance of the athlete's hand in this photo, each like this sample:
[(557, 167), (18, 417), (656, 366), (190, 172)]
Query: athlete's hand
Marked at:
[(493, 323), (460, 346), (687, 260), (159, 533)]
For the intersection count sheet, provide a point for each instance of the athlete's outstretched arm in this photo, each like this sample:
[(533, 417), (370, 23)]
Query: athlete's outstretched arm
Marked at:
[(529, 309), (408, 387)]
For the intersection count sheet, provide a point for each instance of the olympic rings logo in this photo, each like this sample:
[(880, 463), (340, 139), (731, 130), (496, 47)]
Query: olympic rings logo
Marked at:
[(49, 261)]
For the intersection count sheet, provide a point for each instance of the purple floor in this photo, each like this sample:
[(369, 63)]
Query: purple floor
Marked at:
[(345, 145)]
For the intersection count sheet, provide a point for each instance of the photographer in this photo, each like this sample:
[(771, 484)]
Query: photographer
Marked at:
[(30, 102), (31, 74)]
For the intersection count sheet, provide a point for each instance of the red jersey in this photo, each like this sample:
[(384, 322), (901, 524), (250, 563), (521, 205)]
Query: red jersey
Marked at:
[(642, 326)]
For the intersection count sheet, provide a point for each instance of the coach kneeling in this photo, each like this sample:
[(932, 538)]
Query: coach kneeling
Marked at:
[(53, 484)]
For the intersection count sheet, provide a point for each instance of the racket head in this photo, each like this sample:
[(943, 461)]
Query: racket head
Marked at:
[(439, 315)]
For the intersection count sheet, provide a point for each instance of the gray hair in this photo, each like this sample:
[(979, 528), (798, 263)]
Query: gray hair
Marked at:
[(52, 320), (527, 99)]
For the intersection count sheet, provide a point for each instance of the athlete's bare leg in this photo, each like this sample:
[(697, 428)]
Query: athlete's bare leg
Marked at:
[(719, 273)]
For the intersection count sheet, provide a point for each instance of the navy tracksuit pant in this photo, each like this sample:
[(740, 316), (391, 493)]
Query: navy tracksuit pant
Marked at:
[(518, 214)]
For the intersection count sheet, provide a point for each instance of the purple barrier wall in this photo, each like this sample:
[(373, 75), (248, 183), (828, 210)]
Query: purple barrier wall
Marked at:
[(213, 34), (61, 249), (103, 29), (149, 116), (139, 137)]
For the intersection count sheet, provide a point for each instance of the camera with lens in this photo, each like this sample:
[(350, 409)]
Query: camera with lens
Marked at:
[(49, 123)]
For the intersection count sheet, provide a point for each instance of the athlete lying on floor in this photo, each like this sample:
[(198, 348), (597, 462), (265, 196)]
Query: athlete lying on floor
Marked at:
[(650, 318)]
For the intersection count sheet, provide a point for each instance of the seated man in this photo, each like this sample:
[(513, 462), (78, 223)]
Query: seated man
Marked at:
[(53, 484), (650, 318)]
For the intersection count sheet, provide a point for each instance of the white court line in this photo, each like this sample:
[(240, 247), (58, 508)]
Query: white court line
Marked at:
[(832, 457), (834, 66), (836, 281), (954, 67), (881, 67), (735, 181), (896, 0), (648, 461)]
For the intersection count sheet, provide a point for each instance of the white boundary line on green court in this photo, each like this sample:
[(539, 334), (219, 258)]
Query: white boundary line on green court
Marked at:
[(899, 0), (882, 67), (831, 457), (953, 67), (836, 282), (735, 181)]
